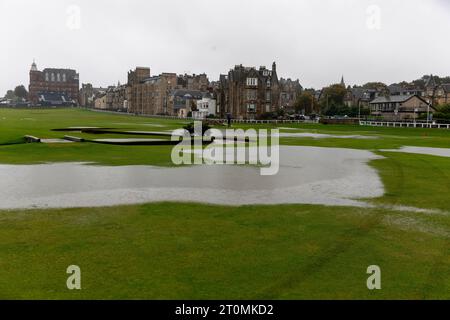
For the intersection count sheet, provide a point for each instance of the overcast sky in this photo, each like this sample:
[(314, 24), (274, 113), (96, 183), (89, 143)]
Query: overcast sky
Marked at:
[(316, 41)]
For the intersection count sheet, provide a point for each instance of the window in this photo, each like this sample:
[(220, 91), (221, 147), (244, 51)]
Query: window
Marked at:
[(252, 81), (53, 77), (268, 96), (268, 83), (251, 94), (47, 77), (251, 107), (267, 107), (64, 77), (58, 77)]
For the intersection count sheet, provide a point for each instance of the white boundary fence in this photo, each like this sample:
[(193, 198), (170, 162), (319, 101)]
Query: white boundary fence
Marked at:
[(405, 124), (269, 121)]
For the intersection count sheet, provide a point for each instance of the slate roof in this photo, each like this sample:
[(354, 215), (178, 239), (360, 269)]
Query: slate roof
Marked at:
[(446, 87), (389, 99), (183, 93)]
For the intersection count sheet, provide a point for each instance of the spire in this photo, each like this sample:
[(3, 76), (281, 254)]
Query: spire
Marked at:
[(342, 81), (274, 66), (33, 66)]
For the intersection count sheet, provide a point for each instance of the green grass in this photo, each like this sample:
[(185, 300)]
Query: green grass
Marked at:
[(86, 152), (420, 181), (192, 251), (15, 124), (197, 251)]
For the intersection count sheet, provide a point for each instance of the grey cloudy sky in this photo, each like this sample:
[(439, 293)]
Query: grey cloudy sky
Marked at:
[(314, 40)]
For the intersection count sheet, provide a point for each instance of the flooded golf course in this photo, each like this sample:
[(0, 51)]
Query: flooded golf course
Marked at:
[(307, 175)]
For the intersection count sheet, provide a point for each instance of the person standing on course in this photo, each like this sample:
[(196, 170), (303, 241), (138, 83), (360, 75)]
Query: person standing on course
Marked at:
[(229, 119)]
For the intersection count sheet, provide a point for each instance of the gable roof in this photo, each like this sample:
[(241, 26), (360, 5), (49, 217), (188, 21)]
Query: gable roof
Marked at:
[(431, 82), (394, 99)]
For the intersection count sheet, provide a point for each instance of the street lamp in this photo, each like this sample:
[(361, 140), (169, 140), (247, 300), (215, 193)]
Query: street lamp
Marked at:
[(415, 111), (428, 114)]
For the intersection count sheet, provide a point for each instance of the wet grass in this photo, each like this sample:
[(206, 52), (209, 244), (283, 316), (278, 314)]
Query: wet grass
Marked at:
[(195, 251), (416, 180)]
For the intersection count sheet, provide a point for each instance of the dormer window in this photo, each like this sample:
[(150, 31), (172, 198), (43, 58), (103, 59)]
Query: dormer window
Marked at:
[(252, 81)]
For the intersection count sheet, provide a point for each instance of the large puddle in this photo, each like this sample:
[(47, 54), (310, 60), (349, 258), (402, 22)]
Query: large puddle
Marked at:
[(307, 175), (440, 152), (324, 136)]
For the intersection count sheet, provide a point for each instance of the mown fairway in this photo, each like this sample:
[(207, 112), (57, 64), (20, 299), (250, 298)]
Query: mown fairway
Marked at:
[(198, 251)]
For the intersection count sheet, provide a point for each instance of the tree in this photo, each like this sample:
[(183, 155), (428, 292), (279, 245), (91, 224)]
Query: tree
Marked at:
[(21, 92), (443, 112), (333, 99), (305, 102), (10, 95), (380, 86)]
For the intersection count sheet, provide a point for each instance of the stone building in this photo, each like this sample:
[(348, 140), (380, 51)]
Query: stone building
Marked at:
[(51, 80), (116, 98), (160, 95), (430, 88), (400, 107), (100, 102), (247, 92), (88, 94), (134, 92), (198, 82), (438, 94), (149, 94), (404, 90), (442, 94), (183, 101), (289, 91), (360, 97)]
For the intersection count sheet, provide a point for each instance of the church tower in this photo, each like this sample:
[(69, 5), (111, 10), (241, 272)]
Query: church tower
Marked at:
[(342, 81)]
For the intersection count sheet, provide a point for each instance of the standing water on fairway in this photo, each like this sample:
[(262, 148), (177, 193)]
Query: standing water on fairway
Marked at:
[(307, 175)]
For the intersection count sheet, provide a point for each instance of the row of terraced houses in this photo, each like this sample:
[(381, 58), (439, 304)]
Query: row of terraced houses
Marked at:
[(244, 93)]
